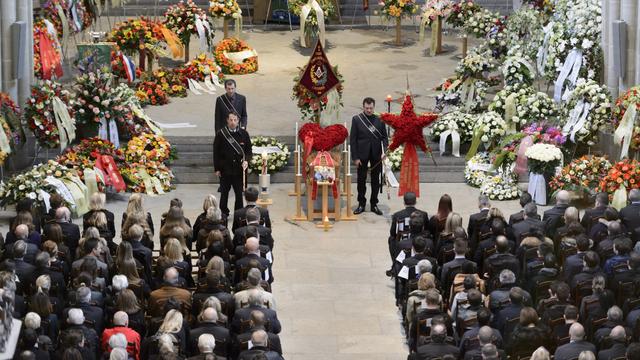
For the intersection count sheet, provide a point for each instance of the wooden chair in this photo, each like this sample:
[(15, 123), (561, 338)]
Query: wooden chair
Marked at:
[(582, 289), (423, 329), (625, 290), (466, 324), (510, 325), (555, 322), (542, 290)]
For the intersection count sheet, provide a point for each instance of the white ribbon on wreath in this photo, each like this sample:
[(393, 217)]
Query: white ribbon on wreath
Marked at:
[(541, 56), (455, 141), (537, 188), (64, 123), (623, 134), (109, 131), (577, 118), (331, 113), (304, 13), (202, 27), (570, 71)]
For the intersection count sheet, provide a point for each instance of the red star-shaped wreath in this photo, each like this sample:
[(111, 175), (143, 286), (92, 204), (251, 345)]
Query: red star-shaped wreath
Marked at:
[(408, 131)]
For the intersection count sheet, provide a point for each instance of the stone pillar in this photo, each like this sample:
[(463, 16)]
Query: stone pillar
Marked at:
[(636, 58), (613, 13), (7, 17), (24, 13), (628, 13)]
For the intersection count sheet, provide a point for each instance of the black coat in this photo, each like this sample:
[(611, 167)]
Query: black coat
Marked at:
[(590, 216), (110, 221), (225, 158), (240, 217), (251, 354), (525, 226), (237, 104), (364, 144), (553, 219), (399, 216), (573, 349), (219, 333), (525, 340), (240, 236), (71, 236), (618, 350), (243, 262), (434, 350), (244, 314)]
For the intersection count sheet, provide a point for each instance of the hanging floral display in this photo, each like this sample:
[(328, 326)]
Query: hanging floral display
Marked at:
[(275, 161), (461, 122), (40, 112), (295, 7), (236, 57), (517, 70), (624, 118), (12, 114)]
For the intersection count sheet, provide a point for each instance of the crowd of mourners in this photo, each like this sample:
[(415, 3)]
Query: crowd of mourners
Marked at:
[(527, 285), (203, 291)]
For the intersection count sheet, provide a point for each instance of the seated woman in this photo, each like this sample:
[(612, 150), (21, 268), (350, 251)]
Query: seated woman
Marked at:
[(41, 305), (127, 301), (23, 218), (173, 256), (175, 218), (528, 335)]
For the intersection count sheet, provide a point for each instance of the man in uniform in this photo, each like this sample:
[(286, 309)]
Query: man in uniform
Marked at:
[(230, 102), (231, 152), (368, 143)]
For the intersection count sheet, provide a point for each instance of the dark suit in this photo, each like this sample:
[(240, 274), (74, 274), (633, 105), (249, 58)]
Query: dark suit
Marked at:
[(24, 272), (573, 349), (144, 255), (525, 226), (368, 145), (243, 262), (591, 216), (434, 350), (244, 314), (251, 354), (475, 221), (476, 354), (240, 236), (229, 163), (553, 219), (110, 221), (273, 341), (630, 217), (71, 236), (446, 269), (573, 265), (399, 218), (93, 314), (220, 333), (618, 350), (240, 217), (224, 106)]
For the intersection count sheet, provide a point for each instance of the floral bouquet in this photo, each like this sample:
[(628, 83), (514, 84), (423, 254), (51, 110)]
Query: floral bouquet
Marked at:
[(84, 155), (523, 31), (295, 7), (117, 67), (151, 93), (481, 23), (521, 105), (170, 81), (434, 9), (398, 8), (489, 126), (496, 41), (587, 111), (275, 161), (506, 151), (501, 186), (12, 114), (629, 98), (182, 18), (199, 68), (476, 169), (135, 35), (136, 182), (28, 184), (582, 175), (517, 70), (97, 100), (229, 65), (307, 101), (459, 121), (543, 158), (39, 28), (39, 112), (395, 158), (473, 90), (544, 133), (474, 65), (148, 148), (130, 124), (624, 174), (461, 13), (227, 9)]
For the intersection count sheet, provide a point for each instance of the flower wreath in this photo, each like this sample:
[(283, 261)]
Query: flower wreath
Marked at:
[(625, 173), (148, 148), (501, 186), (40, 115), (10, 111), (28, 183), (84, 155), (151, 93), (40, 28), (134, 35), (232, 45), (475, 170), (136, 183), (582, 174), (630, 98), (459, 121), (227, 9), (200, 67), (275, 162), (181, 19), (599, 115), (171, 81)]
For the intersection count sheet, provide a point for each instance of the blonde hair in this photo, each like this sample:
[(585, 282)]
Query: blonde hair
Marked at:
[(137, 219), (541, 353), (97, 219), (135, 204), (97, 201), (129, 269), (494, 212), (175, 219), (427, 281), (172, 322), (210, 201), (173, 250), (216, 264), (214, 213), (453, 221)]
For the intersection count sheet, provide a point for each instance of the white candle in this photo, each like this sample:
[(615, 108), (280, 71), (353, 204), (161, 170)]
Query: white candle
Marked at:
[(349, 160), (296, 136), (345, 140), (299, 160)]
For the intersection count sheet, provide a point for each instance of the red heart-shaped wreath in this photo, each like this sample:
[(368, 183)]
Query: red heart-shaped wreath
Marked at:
[(324, 139)]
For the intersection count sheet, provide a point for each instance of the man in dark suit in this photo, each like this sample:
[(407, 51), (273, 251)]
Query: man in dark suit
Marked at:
[(525, 199), (501, 260), (576, 344), (92, 314), (141, 252), (240, 215), (207, 349), (467, 342), (618, 348), (252, 252), (43, 263), (530, 222), (630, 215), (208, 324), (554, 217), (560, 332), (231, 153), (510, 311), (253, 220), (573, 264), (70, 231), (257, 323), (368, 140), (437, 347), (460, 249), (400, 225), (592, 215), (230, 103), (21, 233), (255, 304), (260, 341), (476, 220), (24, 270), (485, 337)]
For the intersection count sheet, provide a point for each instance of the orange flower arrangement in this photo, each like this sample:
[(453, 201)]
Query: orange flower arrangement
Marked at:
[(231, 45), (583, 174), (625, 172), (134, 35), (151, 93)]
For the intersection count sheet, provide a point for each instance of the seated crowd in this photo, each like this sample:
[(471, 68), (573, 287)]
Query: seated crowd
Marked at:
[(522, 286), (204, 293)]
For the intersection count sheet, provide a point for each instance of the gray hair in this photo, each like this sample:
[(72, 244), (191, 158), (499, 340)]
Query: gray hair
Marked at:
[(483, 201), (119, 282), (587, 355), (120, 318), (259, 338), (32, 321), (75, 316), (531, 210), (19, 249), (118, 354), (571, 214), (84, 295), (576, 331), (507, 277), (63, 214), (614, 313), (118, 340), (206, 343), (254, 276), (562, 198), (424, 266), (135, 232), (209, 315)]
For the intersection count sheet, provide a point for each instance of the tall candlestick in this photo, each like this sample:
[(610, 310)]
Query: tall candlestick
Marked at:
[(299, 160), (345, 140), (388, 100), (349, 160), (296, 136)]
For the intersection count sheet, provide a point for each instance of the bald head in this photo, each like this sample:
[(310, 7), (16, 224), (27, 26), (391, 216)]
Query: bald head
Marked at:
[(485, 335), (562, 198), (171, 276), (257, 318), (22, 232), (252, 244), (259, 338), (210, 315), (576, 332), (63, 214), (618, 333)]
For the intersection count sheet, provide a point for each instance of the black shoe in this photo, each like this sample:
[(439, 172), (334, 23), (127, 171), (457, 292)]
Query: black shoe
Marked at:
[(375, 210), (358, 210), (389, 273)]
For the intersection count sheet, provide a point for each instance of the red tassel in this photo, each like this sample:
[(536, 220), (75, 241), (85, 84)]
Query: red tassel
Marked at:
[(410, 171)]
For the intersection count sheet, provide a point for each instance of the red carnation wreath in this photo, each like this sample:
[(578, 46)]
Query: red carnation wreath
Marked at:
[(324, 139)]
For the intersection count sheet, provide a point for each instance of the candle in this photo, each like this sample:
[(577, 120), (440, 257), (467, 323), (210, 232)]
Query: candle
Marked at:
[(349, 160), (388, 100), (296, 136), (264, 162), (299, 160), (345, 140)]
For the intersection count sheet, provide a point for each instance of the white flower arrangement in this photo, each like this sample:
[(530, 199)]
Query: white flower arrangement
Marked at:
[(501, 186), (524, 31), (491, 125), (395, 158), (275, 161), (589, 91), (452, 96), (459, 121), (517, 69), (28, 183), (476, 169), (529, 105), (476, 64), (543, 152), (481, 22)]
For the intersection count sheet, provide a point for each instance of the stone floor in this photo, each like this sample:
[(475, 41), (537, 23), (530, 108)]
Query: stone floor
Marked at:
[(332, 296)]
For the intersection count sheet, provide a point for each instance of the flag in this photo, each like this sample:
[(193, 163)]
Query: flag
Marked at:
[(129, 67), (318, 77)]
